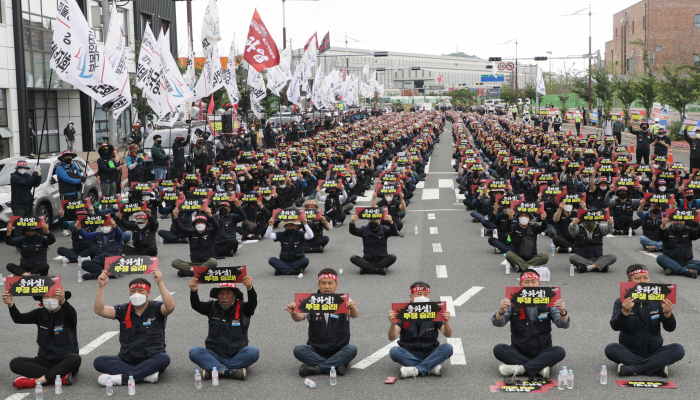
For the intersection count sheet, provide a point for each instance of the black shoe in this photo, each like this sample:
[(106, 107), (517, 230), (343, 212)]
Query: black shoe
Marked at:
[(691, 273), (307, 370), (231, 253), (88, 276), (663, 372), (278, 273), (184, 274), (617, 232), (296, 272), (183, 240), (239, 374), (634, 233), (338, 223), (488, 232), (475, 220), (496, 251), (206, 374), (363, 271), (582, 268), (220, 257), (341, 369), (380, 271), (562, 249), (626, 370)]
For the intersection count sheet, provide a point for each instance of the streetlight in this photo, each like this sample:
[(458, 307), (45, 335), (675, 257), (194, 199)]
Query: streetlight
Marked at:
[(284, 25), (347, 58), (590, 51), (516, 65)]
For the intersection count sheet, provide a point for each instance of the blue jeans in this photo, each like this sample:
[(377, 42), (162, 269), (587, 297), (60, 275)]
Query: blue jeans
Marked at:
[(477, 216), (159, 173), (207, 359), (285, 267), (678, 268), (114, 365), (645, 241), (310, 356), (424, 364)]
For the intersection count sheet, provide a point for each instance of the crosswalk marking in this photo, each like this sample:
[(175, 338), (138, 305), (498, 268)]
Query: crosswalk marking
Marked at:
[(431, 194), (441, 271), (376, 356), (450, 304), (437, 248), (17, 396), (433, 230), (467, 295), (457, 351), (420, 185), (431, 216), (97, 342), (446, 183)]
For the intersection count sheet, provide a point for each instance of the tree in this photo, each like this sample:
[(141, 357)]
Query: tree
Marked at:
[(508, 95), (579, 86), (625, 90), (561, 85), (678, 88), (603, 88), (530, 93), (646, 83), (461, 97)]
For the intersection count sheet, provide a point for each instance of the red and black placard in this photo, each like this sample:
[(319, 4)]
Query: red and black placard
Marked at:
[(388, 188), (191, 204), (498, 185), (371, 212), (190, 178), (249, 197), (130, 265), (132, 207), (533, 296), (329, 183), (682, 215), (223, 196), (220, 274), (96, 220), (142, 186), (593, 215), (536, 386), (527, 207), (313, 213), (648, 292), (574, 198), (72, 206), (625, 181), (32, 285), (658, 198), (647, 384), (201, 192), (112, 199), (26, 222), (226, 176), (286, 215), (278, 178), (325, 303), (553, 190), (691, 184), (412, 312), (171, 195), (508, 199), (167, 182)]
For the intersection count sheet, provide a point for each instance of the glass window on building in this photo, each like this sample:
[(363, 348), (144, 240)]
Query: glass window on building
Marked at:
[(147, 19), (4, 122), (124, 123), (46, 128), (38, 19)]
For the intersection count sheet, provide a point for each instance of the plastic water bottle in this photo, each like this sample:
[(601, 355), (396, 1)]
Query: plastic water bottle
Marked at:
[(214, 377), (110, 386), (301, 275), (552, 249), (482, 231), (80, 261), (604, 375), (80, 276), (495, 233), (2, 280), (39, 390), (160, 241), (340, 271), (58, 385), (197, 379), (308, 382), (561, 382), (415, 230), (566, 374), (65, 261), (507, 265), (571, 270), (334, 379), (570, 380), (132, 386), (629, 233)]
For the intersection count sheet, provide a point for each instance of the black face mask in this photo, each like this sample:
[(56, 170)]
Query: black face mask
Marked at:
[(223, 211), (655, 211), (373, 225), (622, 195), (67, 160), (159, 141), (689, 198), (552, 201)]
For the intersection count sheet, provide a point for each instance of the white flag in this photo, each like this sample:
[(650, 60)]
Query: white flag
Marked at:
[(294, 90), (234, 96), (211, 78), (211, 31), (172, 78), (494, 69), (146, 56), (257, 84), (317, 96), (365, 70), (380, 89), (257, 108), (114, 51), (540, 82), (77, 57), (366, 90), (278, 75), (190, 76)]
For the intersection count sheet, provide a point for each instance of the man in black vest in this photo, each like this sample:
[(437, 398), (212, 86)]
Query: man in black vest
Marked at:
[(201, 239), (677, 257), (319, 242), (70, 179), (641, 349), (517, 231), (226, 241), (108, 243), (375, 253), (21, 187), (333, 204), (531, 351), (58, 355), (33, 248), (144, 233), (329, 334), (588, 245), (622, 209), (254, 225), (227, 346), (141, 332), (178, 166), (292, 258), (396, 206), (643, 143), (419, 351), (108, 168)]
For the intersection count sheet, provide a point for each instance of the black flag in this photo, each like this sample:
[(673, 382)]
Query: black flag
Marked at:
[(325, 43)]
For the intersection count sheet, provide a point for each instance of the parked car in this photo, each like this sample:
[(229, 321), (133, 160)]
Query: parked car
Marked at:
[(168, 136), (47, 201)]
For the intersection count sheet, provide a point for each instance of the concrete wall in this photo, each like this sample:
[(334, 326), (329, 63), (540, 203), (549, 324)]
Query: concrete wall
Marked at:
[(7, 70)]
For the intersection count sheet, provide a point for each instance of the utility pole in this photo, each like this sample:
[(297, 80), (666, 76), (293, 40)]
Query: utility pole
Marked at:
[(111, 122)]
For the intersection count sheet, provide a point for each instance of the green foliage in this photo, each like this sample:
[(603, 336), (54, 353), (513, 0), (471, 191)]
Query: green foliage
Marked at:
[(461, 97), (626, 92), (677, 88), (529, 93), (579, 86), (603, 88)]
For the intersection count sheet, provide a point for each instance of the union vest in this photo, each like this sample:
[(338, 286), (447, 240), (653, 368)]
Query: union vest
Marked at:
[(329, 338), (224, 338), (56, 339), (588, 248), (423, 341), (530, 337), (141, 342), (292, 245)]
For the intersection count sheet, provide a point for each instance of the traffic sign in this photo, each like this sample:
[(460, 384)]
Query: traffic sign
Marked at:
[(510, 66), (501, 66)]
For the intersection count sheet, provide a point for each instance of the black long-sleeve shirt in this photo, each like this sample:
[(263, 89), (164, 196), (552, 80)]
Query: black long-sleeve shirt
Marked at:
[(204, 308)]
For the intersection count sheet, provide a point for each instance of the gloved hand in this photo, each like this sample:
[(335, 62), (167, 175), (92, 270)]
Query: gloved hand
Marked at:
[(83, 179), (37, 169), (139, 160)]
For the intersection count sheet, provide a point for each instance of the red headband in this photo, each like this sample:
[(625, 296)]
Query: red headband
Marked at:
[(529, 275), (332, 276), (140, 285), (638, 271), (420, 289)]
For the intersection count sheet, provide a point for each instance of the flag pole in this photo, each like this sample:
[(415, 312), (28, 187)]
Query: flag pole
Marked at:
[(43, 126)]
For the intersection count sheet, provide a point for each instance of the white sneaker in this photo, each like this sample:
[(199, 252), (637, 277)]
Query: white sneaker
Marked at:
[(407, 372), (510, 370), (436, 370), (116, 379), (152, 378), (545, 373), (65, 232)]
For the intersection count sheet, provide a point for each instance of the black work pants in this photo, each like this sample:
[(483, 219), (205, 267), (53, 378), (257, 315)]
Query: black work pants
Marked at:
[(72, 254), (37, 367), (624, 226), (259, 231), (18, 270), (694, 164), (170, 237), (532, 364), (223, 250), (501, 246), (652, 363), (560, 241), (140, 250), (642, 155), (371, 265)]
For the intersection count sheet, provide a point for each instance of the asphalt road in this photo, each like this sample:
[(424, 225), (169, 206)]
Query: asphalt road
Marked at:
[(469, 264)]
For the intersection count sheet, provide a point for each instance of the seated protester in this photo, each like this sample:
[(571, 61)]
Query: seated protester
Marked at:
[(33, 247), (677, 257), (641, 349), (79, 247), (583, 183), (58, 355), (563, 240), (288, 194), (271, 202), (108, 243), (621, 209), (525, 256), (481, 204), (498, 219), (255, 223), (419, 352), (201, 240), (551, 207), (531, 351), (141, 332), (184, 219), (226, 242), (143, 232), (588, 245), (396, 206), (689, 202), (375, 255), (333, 204), (650, 223), (227, 347), (349, 181), (292, 260), (596, 197), (309, 191), (329, 334), (319, 242)]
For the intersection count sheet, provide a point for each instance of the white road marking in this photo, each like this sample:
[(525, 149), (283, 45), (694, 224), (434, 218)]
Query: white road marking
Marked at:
[(160, 298), (431, 216), (438, 209), (458, 196), (17, 396), (467, 295), (446, 183), (364, 199), (609, 235), (431, 194), (457, 352), (437, 248), (450, 305), (427, 167), (420, 185), (453, 161), (441, 271), (97, 342), (433, 230), (649, 254), (504, 262), (376, 356)]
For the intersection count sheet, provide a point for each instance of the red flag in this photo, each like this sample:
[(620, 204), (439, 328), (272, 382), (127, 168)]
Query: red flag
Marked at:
[(439, 79), (260, 49), (306, 46), (201, 110), (325, 43), (210, 112)]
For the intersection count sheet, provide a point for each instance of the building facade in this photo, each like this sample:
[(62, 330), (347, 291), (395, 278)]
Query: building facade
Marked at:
[(669, 28)]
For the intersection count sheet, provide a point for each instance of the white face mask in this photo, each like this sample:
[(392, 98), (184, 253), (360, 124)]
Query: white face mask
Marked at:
[(138, 299), (241, 178), (141, 225), (146, 198), (421, 299), (524, 220), (586, 180), (662, 189), (389, 199), (324, 162), (267, 198), (50, 304), (568, 208), (22, 170), (294, 178), (106, 230), (283, 186), (200, 227)]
